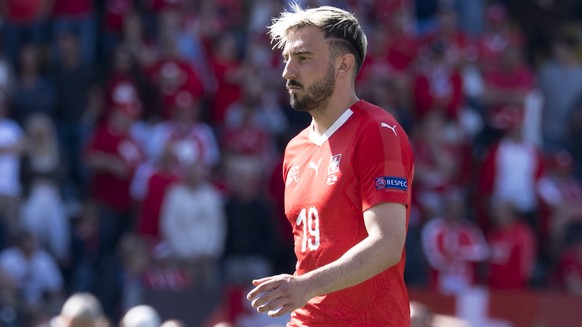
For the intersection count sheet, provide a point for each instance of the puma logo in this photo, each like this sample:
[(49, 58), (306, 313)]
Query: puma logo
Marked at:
[(393, 128), (314, 166)]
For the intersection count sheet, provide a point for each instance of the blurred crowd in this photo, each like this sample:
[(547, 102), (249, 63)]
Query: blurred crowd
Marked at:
[(141, 144)]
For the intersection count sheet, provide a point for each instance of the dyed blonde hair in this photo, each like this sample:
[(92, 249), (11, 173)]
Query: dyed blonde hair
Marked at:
[(340, 27)]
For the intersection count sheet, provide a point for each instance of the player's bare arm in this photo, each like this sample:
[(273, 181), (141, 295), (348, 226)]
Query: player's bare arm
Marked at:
[(386, 226)]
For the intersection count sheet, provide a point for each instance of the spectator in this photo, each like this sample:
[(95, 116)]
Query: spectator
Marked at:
[(43, 210), (376, 63), (437, 161), (11, 147), (506, 87), (510, 171), (229, 74), (261, 62), (497, 36), (112, 157), (192, 223), (114, 17), (84, 266), (23, 22), (252, 123), (192, 139), (152, 10), (74, 81), (401, 43), (560, 80), (33, 91), (34, 273), (513, 248), (267, 114), (80, 310), (456, 44), (250, 224), (162, 176), (77, 17), (180, 21), (126, 82), (138, 41), (439, 84), (173, 75), (453, 246), (141, 316)]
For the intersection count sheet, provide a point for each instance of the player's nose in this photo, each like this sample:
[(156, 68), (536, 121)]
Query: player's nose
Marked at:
[(289, 71)]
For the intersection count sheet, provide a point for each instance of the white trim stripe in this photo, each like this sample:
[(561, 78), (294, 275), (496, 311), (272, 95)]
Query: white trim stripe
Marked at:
[(319, 140)]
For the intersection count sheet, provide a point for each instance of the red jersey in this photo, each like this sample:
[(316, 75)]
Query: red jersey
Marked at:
[(362, 160), (173, 77), (23, 11), (513, 252), (439, 89), (108, 188)]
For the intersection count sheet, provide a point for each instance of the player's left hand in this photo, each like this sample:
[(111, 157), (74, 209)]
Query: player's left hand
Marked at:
[(279, 295)]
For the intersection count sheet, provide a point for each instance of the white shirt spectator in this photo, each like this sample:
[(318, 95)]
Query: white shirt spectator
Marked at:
[(33, 276), (515, 180), (193, 221), (44, 214)]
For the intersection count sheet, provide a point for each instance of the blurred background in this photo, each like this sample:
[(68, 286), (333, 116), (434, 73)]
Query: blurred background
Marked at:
[(141, 145)]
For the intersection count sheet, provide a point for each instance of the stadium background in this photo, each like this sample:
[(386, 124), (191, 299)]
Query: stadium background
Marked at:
[(490, 93)]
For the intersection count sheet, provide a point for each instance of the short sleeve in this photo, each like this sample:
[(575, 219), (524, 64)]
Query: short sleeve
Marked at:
[(383, 164)]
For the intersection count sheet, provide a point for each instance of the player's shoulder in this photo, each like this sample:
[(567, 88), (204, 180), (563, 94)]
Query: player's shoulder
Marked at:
[(368, 115), (372, 119)]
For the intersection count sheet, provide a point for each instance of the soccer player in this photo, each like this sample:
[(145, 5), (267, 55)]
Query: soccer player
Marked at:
[(348, 177)]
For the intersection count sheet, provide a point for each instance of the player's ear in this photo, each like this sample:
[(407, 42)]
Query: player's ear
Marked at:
[(347, 62)]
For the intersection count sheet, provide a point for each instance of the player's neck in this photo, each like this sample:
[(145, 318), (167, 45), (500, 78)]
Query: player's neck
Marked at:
[(337, 105)]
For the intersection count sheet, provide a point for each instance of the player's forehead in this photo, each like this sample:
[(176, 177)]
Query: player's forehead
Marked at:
[(308, 39)]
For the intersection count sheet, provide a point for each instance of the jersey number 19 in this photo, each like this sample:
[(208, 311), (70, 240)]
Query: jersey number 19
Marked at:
[(309, 220)]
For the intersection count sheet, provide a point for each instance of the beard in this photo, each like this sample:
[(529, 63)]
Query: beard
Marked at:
[(317, 95)]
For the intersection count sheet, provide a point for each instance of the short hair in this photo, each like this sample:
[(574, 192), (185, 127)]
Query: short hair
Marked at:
[(339, 26), (82, 307), (141, 316)]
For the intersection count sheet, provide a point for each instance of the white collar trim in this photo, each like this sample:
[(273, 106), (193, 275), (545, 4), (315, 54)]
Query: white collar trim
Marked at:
[(320, 139)]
